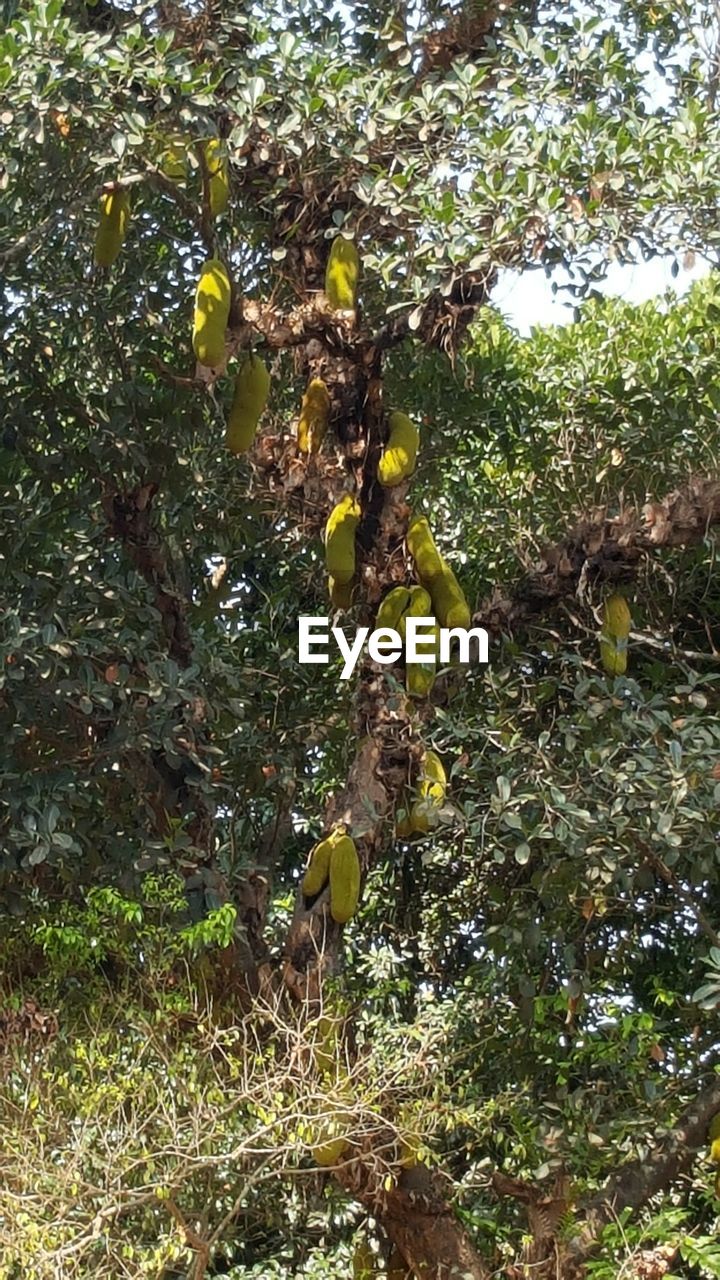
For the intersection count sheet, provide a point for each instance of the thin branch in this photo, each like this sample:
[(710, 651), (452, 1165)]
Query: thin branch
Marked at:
[(40, 231), (670, 879), (690, 655)]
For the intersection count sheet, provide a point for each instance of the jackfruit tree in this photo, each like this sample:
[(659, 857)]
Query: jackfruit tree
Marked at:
[(415, 973)]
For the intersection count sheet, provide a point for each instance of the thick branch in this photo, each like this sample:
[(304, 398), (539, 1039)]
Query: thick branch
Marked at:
[(603, 549), (419, 1221), (466, 34), (130, 518), (638, 1182)]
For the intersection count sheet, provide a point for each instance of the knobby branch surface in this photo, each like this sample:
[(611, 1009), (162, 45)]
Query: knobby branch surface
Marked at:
[(605, 549)]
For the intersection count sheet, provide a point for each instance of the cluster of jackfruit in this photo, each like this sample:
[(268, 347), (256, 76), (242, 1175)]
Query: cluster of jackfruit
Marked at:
[(334, 1120), (252, 382), (412, 602), (449, 604), (173, 162), (438, 594), (334, 860), (422, 814), (617, 622), (341, 278), (399, 454)]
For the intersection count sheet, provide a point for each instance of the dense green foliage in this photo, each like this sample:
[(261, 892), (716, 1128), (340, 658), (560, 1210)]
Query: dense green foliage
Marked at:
[(529, 992)]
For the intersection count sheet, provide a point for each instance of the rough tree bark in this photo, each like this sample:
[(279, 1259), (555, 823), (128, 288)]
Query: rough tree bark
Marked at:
[(604, 549)]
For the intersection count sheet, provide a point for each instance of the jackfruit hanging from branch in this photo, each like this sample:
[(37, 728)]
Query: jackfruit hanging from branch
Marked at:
[(400, 453), (432, 789), (212, 311), (617, 624), (449, 604), (341, 275), (340, 539), (314, 414), (318, 868), (252, 386), (112, 227), (420, 676), (344, 880)]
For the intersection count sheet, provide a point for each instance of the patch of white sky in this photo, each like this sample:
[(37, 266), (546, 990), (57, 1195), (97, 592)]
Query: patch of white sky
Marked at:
[(534, 297)]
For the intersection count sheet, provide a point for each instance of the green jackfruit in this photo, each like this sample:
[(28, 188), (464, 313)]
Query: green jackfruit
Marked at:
[(392, 607), (344, 880), (432, 789), (212, 311), (112, 227), (328, 1039), (617, 619), (217, 177), (428, 561), (174, 159), (252, 385), (420, 676), (419, 606), (341, 594), (419, 680), (340, 539), (325, 1048), (314, 413), (318, 868), (617, 623), (329, 1145), (341, 275), (613, 655), (433, 779), (400, 453), (449, 603)]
